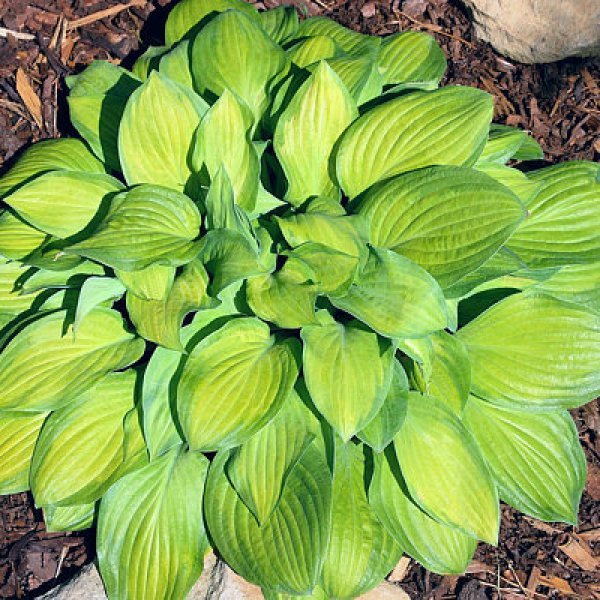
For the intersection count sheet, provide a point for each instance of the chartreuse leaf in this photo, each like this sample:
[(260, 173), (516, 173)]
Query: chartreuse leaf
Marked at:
[(285, 297), (151, 538), (43, 369), (447, 126), (411, 56), (348, 372), (395, 297), (69, 518), (97, 99), (360, 75), (310, 50), (224, 141), (503, 143), (575, 283), (144, 225), (302, 518), (152, 283), (94, 292), (333, 270), (48, 202), (176, 64), (18, 434), (187, 15), (516, 181), (11, 301), (41, 279), (307, 131), (259, 469), (317, 594), (233, 382), (550, 348), (438, 547), (530, 150), (233, 52), (450, 379), (360, 552), (536, 459), (384, 426), (93, 425), (444, 470), (228, 256), (17, 238), (148, 61), (449, 220), (160, 320), (49, 155), (280, 23), (351, 42), (341, 233), (160, 117), (563, 226)]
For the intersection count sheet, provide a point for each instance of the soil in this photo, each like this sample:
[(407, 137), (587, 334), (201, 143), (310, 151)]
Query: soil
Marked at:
[(559, 103)]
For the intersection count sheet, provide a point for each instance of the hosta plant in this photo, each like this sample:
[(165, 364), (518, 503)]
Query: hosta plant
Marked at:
[(286, 298)]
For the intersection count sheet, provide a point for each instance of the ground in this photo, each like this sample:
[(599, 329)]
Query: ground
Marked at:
[(558, 103)]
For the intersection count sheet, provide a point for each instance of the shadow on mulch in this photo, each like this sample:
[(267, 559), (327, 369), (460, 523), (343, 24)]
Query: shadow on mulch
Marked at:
[(559, 103)]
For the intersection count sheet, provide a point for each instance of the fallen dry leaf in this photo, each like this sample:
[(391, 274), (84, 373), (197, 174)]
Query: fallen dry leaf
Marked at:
[(580, 555), (400, 570), (556, 583), (29, 97)]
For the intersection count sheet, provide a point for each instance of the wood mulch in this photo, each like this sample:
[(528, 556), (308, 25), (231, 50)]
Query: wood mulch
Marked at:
[(41, 41)]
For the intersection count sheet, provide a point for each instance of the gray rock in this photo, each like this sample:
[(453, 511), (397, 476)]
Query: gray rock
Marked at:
[(218, 582), (538, 31)]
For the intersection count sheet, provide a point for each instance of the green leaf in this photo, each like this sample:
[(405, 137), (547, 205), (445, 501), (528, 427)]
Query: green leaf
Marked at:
[(17, 238), (43, 369), (160, 117), (49, 155), (395, 297), (444, 470), (224, 141), (449, 220), (144, 225), (160, 321), (40, 279), (447, 126), (360, 551), (95, 291), (503, 143), (286, 297), (176, 64), (529, 150), (69, 518), (302, 518), (233, 52), (575, 283), (148, 61), (233, 383), (151, 538), (188, 15), (259, 469), (550, 348), (411, 56), (280, 23), (48, 203), (536, 460), (311, 50), (450, 379), (348, 372), (383, 427), (80, 446), (307, 131), (152, 283), (18, 435), (97, 99), (360, 75), (438, 547), (228, 257), (516, 181), (351, 42), (563, 226)]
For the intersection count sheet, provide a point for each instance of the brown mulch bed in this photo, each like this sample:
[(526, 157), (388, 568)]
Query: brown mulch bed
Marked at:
[(558, 103)]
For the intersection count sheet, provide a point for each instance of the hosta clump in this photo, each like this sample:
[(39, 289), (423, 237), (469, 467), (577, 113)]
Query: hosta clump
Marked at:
[(286, 298)]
